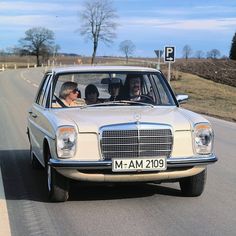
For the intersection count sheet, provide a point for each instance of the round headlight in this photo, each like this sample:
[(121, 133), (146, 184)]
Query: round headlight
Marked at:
[(66, 141), (203, 138)]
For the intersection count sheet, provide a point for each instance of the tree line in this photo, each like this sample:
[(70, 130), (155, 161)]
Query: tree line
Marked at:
[(199, 54), (98, 24)]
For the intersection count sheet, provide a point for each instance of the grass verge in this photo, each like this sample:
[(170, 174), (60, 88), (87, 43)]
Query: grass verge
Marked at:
[(207, 97)]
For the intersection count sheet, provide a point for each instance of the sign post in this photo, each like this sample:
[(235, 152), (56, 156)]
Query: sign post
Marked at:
[(169, 56), (159, 55)]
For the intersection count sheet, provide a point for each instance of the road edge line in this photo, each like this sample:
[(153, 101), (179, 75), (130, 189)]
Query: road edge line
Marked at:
[(4, 217)]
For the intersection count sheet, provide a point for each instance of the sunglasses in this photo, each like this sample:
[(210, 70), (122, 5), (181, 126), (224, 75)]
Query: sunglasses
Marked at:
[(75, 91)]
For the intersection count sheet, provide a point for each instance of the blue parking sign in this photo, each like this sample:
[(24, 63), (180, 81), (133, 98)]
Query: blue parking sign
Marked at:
[(169, 54)]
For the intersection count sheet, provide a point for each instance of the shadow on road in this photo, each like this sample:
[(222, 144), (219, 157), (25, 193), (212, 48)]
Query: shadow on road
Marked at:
[(94, 191), (19, 179), (22, 182)]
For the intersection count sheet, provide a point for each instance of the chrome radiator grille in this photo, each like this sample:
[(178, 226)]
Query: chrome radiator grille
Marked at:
[(136, 141)]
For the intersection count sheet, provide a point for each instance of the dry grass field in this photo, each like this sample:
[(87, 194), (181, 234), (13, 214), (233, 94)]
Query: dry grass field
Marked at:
[(207, 97)]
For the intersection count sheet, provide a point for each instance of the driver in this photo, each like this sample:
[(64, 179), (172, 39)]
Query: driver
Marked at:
[(133, 89)]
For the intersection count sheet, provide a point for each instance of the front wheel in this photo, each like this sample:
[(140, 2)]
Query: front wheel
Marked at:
[(58, 185), (193, 186)]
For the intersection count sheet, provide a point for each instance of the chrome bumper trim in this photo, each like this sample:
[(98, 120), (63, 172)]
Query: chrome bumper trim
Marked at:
[(191, 161), (171, 162), (80, 164)]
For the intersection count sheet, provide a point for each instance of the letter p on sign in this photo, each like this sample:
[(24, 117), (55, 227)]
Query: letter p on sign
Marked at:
[(169, 54)]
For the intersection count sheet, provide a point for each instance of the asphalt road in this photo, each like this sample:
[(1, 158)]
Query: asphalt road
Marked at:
[(144, 209)]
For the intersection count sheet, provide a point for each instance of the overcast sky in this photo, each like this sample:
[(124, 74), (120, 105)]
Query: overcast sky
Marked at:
[(150, 24)]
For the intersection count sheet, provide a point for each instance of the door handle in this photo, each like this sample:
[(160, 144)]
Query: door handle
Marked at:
[(34, 115)]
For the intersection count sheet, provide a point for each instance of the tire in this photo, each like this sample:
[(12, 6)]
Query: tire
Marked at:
[(193, 186), (58, 186)]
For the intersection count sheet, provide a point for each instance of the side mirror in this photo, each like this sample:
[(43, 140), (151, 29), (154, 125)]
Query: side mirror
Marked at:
[(182, 98)]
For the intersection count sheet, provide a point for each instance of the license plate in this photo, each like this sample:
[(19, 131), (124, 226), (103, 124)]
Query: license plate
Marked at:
[(138, 164)]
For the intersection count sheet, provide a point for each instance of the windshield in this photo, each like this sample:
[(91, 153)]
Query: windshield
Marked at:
[(126, 88)]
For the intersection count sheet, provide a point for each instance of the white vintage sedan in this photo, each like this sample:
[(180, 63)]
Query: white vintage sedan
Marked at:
[(116, 124)]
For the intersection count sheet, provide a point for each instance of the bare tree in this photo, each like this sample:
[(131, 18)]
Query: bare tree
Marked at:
[(38, 41), (224, 57), (128, 48), (97, 22), (56, 49), (214, 54), (187, 51), (208, 55), (199, 54)]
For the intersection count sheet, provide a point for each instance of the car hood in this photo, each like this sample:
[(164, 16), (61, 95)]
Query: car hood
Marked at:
[(90, 119)]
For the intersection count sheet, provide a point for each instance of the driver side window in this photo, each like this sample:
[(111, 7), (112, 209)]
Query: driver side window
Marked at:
[(42, 94)]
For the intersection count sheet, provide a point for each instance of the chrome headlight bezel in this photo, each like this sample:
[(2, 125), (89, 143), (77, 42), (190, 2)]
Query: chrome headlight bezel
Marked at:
[(203, 139), (66, 139)]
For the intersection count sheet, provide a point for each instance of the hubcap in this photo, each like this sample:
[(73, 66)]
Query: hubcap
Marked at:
[(49, 177), (31, 153)]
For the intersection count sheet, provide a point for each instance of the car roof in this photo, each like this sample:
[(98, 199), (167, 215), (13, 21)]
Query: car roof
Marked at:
[(96, 68)]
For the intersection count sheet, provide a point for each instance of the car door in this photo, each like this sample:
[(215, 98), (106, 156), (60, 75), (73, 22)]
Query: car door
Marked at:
[(37, 119)]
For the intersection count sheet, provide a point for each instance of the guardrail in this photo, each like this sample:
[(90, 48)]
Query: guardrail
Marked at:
[(4, 67)]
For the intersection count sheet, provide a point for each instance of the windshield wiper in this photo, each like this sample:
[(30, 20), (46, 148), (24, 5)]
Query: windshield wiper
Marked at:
[(118, 103), (134, 102)]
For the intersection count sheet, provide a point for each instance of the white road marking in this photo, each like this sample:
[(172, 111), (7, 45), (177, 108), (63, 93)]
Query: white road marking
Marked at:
[(4, 219), (22, 76), (28, 81)]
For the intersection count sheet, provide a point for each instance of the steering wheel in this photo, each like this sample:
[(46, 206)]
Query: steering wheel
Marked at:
[(143, 98)]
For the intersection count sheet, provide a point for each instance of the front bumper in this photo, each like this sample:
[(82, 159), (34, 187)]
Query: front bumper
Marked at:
[(171, 162), (101, 171)]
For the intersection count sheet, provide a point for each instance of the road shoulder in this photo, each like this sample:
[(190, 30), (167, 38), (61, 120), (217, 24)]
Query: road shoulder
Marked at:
[(4, 219)]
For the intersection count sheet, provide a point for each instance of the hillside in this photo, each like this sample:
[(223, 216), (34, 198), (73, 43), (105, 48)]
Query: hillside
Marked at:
[(220, 71), (206, 96)]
